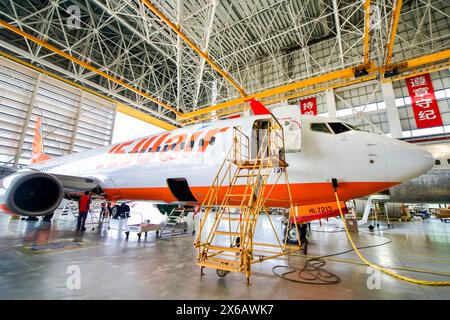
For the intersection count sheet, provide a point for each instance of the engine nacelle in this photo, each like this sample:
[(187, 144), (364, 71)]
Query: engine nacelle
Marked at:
[(30, 193)]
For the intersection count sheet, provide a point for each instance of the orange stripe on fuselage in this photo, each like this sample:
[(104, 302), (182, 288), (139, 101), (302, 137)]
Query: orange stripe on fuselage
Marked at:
[(4, 209), (302, 193)]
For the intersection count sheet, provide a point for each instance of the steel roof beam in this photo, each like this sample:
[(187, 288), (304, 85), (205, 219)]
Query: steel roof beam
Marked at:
[(68, 74), (205, 48), (191, 44), (86, 65), (130, 28)]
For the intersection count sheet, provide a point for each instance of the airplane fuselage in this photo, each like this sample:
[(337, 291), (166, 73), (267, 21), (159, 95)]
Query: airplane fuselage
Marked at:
[(139, 169)]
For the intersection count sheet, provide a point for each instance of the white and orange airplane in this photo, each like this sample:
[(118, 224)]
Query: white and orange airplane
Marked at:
[(179, 166)]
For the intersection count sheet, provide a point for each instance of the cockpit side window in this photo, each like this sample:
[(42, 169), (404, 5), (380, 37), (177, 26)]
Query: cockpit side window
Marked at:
[(320, 127), (437, 162), (338, 127)]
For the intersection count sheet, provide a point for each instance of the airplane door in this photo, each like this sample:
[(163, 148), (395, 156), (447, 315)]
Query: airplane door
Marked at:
[(290, 119), (259, 140)]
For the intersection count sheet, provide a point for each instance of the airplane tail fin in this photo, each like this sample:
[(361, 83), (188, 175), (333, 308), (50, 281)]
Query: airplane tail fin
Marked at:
[(37, 150), (257, 107)]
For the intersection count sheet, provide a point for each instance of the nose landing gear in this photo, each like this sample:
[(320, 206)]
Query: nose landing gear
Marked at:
[(292, 235)]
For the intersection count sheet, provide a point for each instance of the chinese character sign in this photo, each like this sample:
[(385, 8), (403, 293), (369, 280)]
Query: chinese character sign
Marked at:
[(309, 106), (425, 107)]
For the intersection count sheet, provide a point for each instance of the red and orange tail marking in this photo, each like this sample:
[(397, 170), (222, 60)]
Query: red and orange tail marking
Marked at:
[(37, 150)]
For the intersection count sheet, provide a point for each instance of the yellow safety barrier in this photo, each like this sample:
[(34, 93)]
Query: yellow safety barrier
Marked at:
[(382, 269)]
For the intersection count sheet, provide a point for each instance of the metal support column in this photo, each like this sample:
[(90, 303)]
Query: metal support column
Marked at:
[(77, 119), (331, 103), (26, 122), (392, 112)]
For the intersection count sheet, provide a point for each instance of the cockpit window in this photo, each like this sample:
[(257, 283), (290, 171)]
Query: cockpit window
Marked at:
[(437, 162), (338, 127), (320, 127)]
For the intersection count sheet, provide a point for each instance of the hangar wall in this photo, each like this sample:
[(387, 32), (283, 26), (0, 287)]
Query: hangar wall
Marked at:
[(72, 119)]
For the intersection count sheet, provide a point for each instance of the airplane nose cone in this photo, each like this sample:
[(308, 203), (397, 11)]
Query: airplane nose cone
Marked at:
[(408, 161)]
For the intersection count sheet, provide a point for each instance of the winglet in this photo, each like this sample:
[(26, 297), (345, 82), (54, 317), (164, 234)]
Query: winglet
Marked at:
[(37, 150), (257, 107)]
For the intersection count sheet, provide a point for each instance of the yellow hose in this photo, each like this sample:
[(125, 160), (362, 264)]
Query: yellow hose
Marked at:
[(391, 273)]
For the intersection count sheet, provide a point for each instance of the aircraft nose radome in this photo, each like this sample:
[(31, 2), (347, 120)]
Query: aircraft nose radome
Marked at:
[(408, 162)]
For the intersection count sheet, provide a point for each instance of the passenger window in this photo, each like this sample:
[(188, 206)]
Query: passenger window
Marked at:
[(166, 147), (182, 145), (173, 146), (201, 143), (437, 162), (448, 161), (211, 142), (192, 144), (338, 127), (320, 127)]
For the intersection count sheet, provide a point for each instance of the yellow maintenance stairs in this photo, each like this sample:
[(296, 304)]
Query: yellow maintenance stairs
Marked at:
[(237, 198)]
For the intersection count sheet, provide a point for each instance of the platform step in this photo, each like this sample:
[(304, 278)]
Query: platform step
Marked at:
[(227, 249), (230, 219), (224, 261), (238, 195), (227, 233), (220, 266)]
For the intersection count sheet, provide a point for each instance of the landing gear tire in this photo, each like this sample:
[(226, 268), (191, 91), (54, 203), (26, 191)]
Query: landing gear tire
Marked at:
[(222, 273), (292, 235), (127, 234)]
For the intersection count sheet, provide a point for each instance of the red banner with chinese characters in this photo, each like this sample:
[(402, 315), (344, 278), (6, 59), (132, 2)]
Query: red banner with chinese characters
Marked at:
[(425, 107), (309, 106)]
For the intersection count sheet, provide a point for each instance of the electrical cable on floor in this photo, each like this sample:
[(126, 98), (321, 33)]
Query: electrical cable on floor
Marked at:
[(313, 272), (380, 268)]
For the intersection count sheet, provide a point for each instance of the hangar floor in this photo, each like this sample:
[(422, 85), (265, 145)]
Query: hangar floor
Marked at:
[(112, 267)]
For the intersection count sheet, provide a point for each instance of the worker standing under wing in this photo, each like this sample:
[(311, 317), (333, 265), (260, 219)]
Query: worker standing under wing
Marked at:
[(83, 209)]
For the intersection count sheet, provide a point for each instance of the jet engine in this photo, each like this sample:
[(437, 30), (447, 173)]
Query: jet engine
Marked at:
[(30, 193)]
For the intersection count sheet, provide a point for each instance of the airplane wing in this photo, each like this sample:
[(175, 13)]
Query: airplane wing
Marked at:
[(6, 171), (31, 192), (77, 184)]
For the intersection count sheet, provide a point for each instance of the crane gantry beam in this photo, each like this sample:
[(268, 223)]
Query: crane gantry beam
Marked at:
[(340, 74), (366, 31), (191, 44), (392, 32), (346, 75), (84, 64)]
